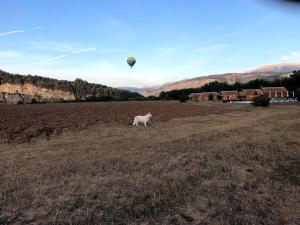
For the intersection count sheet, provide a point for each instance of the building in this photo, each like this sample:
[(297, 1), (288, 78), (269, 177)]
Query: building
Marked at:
[(250, 94), (204, 96), (244, 95), (229, 95), (275, 92)]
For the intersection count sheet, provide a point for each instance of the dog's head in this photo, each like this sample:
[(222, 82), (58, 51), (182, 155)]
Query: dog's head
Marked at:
[(149, 114)]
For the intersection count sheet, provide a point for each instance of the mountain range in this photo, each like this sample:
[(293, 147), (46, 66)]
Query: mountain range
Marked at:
[(269, 72)]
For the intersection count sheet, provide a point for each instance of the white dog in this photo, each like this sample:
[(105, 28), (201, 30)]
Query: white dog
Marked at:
[(142, 119)]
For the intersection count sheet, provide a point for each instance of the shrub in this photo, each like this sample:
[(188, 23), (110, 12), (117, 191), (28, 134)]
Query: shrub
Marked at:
[(261, 101), (183, 98), (297, 94), (34, 101)]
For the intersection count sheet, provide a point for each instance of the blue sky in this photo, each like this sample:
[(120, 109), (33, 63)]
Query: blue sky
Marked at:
[(171, 39)]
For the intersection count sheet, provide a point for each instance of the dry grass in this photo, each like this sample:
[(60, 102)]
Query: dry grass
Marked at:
[(234, 168)]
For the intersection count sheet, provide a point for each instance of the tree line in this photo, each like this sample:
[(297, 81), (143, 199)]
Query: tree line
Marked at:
[(81, 89)]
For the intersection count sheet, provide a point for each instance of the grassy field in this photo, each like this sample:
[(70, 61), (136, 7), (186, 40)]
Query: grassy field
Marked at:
[(233, 164)]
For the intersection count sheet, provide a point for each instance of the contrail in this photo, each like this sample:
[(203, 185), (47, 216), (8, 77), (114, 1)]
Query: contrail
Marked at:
[(12, 32)]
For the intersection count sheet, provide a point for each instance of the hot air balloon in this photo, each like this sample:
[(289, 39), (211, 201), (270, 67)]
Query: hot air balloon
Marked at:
[(131, 61)]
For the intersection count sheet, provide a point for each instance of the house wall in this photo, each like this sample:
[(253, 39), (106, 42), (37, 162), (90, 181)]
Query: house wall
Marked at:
[(249, 97), (206, 98), (202, 97), (277, 95), (229, 97)]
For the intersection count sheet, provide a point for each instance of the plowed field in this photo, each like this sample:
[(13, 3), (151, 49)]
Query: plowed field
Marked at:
[(21, 123)]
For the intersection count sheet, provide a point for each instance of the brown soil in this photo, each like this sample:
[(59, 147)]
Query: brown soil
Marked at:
[(19, 123)]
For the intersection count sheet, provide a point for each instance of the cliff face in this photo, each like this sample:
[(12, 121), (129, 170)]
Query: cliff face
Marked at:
[(17, 98), (13, 93)]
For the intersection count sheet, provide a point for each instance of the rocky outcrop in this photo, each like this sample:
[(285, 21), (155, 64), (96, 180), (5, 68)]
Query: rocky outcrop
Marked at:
[(26, 93), (16, 98)]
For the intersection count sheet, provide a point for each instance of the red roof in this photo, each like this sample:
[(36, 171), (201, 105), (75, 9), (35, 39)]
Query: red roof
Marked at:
[(204, 94), (273, 89), (208, 93), (229, 92), (245, 92)]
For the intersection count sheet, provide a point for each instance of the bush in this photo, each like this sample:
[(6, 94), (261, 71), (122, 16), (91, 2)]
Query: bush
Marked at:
[(261, 101), (34, 101), (297, 94), (151, 98), (183, 98)]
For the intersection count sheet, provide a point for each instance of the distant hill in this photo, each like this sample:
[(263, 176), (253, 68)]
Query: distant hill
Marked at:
[(268, 72), (144, 91), (15, 88), (277, 68)]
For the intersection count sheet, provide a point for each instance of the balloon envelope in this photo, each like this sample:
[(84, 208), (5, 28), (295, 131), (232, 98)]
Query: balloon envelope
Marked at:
[(131, 61)]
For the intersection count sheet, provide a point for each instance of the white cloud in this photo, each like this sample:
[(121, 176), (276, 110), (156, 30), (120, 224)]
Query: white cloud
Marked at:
[(54, 58), (37, 28), (56, 46), (67, 48), (169, 50), (18, 31), (10, 54), (213, 47), (291, 57), (83, 50), (295, 54), (75, 52), (12, 32)]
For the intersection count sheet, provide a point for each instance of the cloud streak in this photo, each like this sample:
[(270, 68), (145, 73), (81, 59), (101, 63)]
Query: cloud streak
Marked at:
[(37, 28), (19, 31), (12, 32), (54, 58), (83, 50), (79, 51)]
